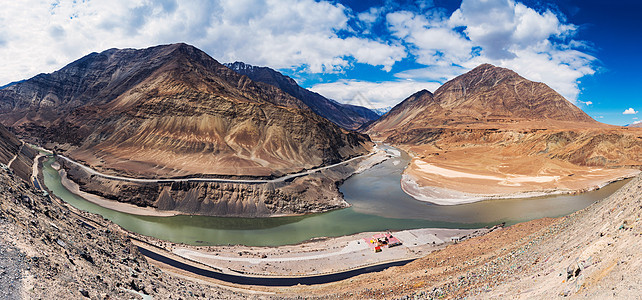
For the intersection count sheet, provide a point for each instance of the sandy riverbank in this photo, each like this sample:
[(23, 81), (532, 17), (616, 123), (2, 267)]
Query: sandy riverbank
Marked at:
[(318, 256), (111, 204), (458, 177)]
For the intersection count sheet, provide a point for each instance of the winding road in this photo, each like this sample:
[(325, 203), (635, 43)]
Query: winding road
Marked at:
[(268, 281), (202, 179), (15, 156)]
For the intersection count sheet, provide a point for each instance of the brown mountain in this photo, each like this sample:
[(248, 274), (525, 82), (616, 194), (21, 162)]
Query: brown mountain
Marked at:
[(486, 94), (172, 110), (344, 115), (492, 132)]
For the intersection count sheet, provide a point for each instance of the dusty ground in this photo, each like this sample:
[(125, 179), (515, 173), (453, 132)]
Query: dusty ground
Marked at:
[(319, 256), (457, 176), (11, 265)]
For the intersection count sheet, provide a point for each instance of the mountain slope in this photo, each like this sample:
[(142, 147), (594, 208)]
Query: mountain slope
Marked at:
[(172, 110), (15, 155), (344, 115), (50, 250), (485, 95)]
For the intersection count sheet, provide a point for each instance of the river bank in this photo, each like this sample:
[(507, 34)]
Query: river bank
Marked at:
[(377, 203), (590, 254), (445, 196), (460, 176)]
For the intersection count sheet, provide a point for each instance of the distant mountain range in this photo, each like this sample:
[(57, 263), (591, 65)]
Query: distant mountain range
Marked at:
[(344, 115), (382, 111)]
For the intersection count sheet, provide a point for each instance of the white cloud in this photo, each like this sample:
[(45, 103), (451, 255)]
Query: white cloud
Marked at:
[(587, 103), (636, 122), (437, 72), (500, 32), (630, 111), (316, 36), (42, 37), (372, 94), (432, 39), (502, 26)]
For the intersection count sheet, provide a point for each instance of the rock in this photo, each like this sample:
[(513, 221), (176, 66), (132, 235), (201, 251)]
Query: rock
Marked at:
[(84, 293)]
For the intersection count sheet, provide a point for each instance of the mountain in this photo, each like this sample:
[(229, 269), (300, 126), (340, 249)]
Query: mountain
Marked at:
[(486, 94), (382, 111), (172, 110), (491, 133), (344, 115), (635, 124)]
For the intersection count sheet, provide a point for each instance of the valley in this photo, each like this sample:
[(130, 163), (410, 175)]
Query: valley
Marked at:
[(165, 165)]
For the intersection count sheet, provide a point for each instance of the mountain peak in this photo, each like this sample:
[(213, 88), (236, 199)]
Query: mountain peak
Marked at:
[(421, 93), (239, 66), (485, 95)]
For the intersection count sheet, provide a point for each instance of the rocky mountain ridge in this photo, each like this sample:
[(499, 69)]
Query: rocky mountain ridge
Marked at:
[(495, 106), (345, 115)]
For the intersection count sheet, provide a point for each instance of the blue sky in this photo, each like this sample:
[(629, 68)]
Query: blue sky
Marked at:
[(373, 53)]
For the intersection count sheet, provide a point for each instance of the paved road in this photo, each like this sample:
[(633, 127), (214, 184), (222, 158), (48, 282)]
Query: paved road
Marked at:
[(268, 281), (201, 179)]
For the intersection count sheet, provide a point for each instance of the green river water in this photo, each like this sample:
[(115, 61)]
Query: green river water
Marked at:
[(378, 204)]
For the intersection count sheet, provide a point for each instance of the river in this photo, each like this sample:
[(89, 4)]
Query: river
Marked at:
[(378, 204)]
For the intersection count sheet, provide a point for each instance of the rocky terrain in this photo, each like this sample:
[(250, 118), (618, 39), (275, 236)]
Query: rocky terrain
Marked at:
[(521, 135), (314, 193), (50, 250), (345, 115), (486, 94), (15, 155), (53, 251)]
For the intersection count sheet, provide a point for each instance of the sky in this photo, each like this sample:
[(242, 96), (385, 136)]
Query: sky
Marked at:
[(371, 53)]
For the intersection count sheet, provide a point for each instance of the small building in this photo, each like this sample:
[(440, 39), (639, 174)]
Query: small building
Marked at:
[(382, 240)]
